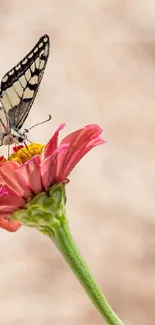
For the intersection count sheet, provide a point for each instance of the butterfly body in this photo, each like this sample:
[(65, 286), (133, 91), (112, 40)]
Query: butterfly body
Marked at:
[(18, 90), (13, 137)]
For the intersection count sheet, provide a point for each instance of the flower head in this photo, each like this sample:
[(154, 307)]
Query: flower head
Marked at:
[(28, 173)]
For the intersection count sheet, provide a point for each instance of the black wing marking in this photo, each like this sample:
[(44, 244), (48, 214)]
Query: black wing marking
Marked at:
[(4, 124), (19, 86)]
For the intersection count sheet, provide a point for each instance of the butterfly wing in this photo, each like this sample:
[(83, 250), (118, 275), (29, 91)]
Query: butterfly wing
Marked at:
[(19, 86), (4, 124)]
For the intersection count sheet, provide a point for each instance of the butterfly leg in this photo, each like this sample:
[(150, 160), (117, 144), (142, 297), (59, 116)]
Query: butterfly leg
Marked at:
[(29, 140), (25, 145), (8, 151)]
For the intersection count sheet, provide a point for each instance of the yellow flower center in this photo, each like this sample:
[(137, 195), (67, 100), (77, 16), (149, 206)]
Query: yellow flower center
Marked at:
[(24, 154)]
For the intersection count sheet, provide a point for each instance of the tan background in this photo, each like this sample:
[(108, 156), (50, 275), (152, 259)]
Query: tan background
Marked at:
[(101, 70)]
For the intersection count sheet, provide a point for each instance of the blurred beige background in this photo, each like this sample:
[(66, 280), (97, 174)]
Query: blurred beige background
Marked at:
[(101, 70)]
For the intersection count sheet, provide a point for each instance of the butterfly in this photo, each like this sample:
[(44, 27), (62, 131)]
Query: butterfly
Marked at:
[(18, 90)]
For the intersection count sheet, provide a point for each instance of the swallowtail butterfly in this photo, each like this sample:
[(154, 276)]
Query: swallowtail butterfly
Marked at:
[(18, 90)]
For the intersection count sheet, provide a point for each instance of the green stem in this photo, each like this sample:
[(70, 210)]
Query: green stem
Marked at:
[(64, 242), (46, 212)]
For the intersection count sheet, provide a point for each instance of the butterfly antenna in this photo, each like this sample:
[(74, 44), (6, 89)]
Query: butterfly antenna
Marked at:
[(49, 118)]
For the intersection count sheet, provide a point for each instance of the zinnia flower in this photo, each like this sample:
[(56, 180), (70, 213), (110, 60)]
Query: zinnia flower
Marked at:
[(32, 194), (21, 183)]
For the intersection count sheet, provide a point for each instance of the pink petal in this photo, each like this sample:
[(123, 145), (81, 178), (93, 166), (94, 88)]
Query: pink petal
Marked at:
[(80, 142), (9, 225), (7, 190), (48, 168), (53, 142), (30, 173), (9, 177), (10, 203), (83, 135)]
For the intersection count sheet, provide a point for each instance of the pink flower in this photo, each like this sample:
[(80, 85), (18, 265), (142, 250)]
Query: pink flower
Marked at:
[(20, 183)]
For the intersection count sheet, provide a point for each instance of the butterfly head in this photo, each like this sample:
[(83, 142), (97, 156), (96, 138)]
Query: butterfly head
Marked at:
[(17, 137)]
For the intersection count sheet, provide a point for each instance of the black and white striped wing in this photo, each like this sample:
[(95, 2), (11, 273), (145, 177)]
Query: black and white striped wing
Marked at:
[(19, 86), (4, 124)]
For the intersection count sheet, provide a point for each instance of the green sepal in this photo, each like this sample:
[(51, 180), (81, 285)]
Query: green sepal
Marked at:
[(45, 212)]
